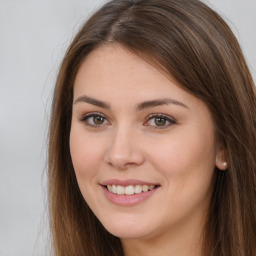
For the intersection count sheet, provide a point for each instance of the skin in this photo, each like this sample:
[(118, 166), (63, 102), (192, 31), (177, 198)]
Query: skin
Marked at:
[(178, 152)]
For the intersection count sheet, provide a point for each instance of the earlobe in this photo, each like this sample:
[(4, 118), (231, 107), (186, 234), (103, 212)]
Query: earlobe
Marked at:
[(222, 165), (221, 159)]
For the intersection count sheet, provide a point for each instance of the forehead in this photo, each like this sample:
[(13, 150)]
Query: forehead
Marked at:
[(113, 67), (115, 75)]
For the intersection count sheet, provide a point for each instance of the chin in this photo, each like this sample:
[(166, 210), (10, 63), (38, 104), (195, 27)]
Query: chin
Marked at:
[(127, 229)]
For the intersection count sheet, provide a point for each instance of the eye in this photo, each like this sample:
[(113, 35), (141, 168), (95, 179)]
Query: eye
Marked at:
[(94, 120), (159, 121)]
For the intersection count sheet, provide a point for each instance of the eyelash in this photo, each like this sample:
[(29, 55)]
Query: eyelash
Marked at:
[(168, 119), (86, 118), (165, 118)]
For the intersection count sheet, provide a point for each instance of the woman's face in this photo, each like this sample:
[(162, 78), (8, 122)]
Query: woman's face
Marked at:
[(143, 149)]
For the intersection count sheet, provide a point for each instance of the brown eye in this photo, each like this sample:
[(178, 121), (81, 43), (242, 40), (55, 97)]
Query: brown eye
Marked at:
[(159, 121), (98, 120), (94, 120)]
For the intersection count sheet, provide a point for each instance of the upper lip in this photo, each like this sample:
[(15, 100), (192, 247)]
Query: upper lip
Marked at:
[(126, 182)]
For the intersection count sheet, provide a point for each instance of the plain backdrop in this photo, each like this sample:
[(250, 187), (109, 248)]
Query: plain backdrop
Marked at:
[(34, 35)]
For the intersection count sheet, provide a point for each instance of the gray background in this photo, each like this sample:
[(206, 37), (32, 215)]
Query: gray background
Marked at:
[(33, 37)]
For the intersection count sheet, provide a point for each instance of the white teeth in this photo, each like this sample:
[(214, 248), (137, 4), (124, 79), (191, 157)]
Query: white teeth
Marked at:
[(129, 190), (138, 189), (145, 188), (120, 190), (113, 189), (151, 187)]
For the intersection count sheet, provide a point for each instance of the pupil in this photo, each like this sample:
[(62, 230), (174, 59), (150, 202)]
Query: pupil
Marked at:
[(159, 121), (98, 120)]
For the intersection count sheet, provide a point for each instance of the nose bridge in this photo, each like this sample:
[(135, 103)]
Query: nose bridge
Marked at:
[(123, 149)]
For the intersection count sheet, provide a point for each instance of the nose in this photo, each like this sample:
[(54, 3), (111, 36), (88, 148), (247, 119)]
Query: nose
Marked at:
[(124, 149)]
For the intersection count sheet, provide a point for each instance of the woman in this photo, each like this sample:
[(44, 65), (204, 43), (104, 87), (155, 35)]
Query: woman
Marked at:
[(152, 136)]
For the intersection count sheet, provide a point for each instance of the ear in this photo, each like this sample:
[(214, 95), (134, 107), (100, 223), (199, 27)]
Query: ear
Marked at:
[(221, 161)]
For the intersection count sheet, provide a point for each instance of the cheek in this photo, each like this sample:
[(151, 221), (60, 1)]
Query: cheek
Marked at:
[(187, 167), (187, 151), (187, 162), (85, 152)]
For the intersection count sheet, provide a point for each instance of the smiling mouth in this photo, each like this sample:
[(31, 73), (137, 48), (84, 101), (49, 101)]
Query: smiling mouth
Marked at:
[(130, 189)]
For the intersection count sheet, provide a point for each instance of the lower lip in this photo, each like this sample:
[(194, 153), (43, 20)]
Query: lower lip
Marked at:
[(125, 200)]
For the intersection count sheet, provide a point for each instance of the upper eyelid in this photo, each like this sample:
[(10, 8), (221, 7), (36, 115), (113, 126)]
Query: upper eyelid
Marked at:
[(171, 120), (90, 114), (161, 115), (86, 117), (147, 118)]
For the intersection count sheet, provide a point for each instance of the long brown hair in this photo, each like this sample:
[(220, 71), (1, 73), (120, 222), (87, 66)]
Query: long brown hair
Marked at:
[(193, 44)]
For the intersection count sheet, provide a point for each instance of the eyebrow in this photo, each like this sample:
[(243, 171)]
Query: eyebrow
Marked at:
[(139, 107), (160, 102), (92, 101)]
